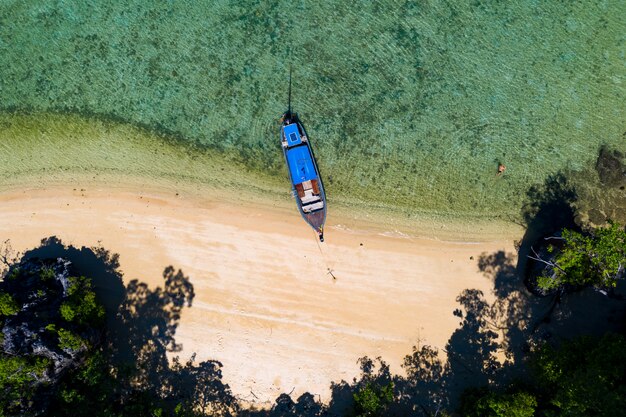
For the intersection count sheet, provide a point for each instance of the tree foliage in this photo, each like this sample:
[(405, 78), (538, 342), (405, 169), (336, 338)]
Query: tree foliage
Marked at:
[(50, 319), (371, 400), (81, 305), (70, 340), (18, 377), (8, 305), (596, 259), (585, 376), (485, 403)]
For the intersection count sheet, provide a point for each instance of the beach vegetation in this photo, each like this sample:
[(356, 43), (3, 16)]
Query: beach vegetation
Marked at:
[(8, 305), (13, 274), (582, 377), (577, 259), (19, 377), (486, 403), (50, 320), (70, 340), (46, 273), (81, 305), (371, 400)]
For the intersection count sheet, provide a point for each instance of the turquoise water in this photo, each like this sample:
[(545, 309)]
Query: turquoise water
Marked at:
[(409, 104)]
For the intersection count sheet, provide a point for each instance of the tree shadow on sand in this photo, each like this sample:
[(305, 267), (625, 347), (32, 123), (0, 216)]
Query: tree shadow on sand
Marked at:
[(488, 349), (480, 352), (549, 208), (496, 331), (306, 405), (131, 373), (492, 345), (520, 318)]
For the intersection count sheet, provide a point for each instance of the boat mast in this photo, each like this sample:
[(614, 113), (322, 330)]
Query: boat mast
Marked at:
[(289, 100)]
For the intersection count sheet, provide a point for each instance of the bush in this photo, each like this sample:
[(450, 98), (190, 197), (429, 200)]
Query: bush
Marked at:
[(596, 259), (69, 340), (8, 306), (18, 375), (585, 376), (46, 274), (372, 400), (81, 305), (484, 403)]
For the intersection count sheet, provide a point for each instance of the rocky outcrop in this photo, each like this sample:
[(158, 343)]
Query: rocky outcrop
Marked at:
[(39, 287)]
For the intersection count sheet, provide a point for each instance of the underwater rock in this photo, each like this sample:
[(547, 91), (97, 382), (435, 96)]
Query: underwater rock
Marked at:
[(611, 168), (602, 195), (596, 216)]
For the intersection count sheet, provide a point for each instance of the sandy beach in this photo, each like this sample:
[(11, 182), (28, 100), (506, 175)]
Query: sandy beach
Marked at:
[(266, 305), (145, 137)]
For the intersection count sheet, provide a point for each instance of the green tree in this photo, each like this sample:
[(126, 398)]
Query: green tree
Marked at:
[(485, 403), (597, 259), (46, 274), (70, 340), (371, 400), (8, 305), (584, 377), (81, 305), (18, 377), (88, 389)]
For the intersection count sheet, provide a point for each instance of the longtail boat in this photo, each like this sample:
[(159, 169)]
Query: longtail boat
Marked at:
[(305, 176)]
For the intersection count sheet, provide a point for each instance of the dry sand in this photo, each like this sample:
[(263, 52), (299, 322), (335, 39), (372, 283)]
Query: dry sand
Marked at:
[(265, 304)]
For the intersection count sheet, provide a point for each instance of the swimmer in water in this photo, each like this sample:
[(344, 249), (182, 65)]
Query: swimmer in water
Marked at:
[(501, 169)]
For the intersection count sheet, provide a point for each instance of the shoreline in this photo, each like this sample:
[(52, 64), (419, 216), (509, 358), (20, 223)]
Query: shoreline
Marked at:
[(386, 221), (265, 305), (50, 149)]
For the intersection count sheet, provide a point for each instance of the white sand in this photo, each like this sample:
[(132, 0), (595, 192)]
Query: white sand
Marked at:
[(265, 304)]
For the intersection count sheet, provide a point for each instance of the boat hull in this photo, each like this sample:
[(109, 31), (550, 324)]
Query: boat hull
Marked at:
[(315, 218)]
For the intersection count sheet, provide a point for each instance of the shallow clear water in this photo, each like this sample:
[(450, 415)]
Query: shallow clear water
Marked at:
[(408, 103)]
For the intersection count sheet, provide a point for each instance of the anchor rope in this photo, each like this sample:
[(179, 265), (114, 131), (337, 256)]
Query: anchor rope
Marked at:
[(327, 264)]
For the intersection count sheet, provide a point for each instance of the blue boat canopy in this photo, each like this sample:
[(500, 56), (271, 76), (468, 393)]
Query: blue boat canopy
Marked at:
[(292, 135), (300, 164)]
